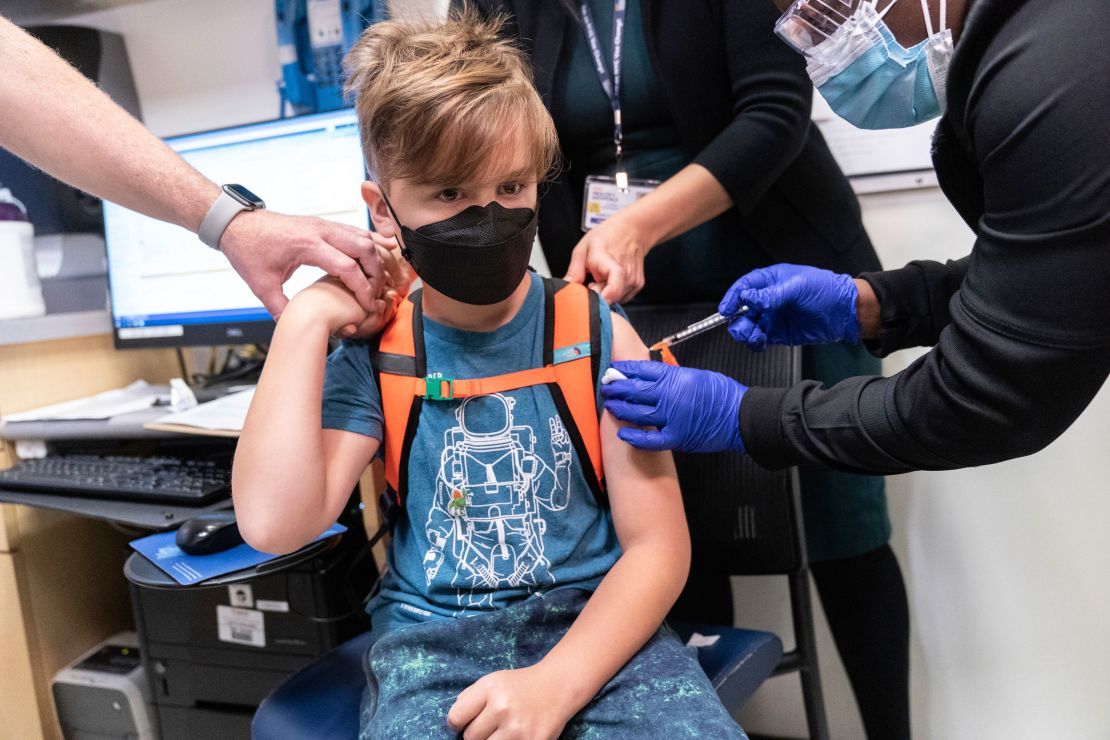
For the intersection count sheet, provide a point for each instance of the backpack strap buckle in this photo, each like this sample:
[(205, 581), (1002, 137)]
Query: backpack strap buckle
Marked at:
[(433, 389)]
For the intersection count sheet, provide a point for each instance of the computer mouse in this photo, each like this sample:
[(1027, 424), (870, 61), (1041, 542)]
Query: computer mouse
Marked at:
[(213, 531)]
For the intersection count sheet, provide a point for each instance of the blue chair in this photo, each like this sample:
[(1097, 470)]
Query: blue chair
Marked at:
[(744, 520), (320, 700)]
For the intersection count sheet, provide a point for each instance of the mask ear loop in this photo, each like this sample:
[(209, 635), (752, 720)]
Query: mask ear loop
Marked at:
[(928, 18), (882, 13), (389, 205), (397, 222)]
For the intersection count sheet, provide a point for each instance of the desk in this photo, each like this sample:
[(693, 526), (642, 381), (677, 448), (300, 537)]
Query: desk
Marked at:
[(107, 435), (61, 584), (61, 590), (147, 516)]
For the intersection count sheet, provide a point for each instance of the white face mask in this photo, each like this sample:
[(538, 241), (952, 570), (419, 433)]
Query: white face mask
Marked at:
[(867, 77)]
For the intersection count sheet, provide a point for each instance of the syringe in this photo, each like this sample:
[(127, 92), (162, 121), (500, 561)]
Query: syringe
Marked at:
[(696, 328)]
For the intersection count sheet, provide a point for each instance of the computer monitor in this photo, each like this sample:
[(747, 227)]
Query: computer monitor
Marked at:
[(169, 289)]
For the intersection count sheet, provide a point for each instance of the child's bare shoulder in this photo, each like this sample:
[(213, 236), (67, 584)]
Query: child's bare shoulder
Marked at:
[(627, 344)]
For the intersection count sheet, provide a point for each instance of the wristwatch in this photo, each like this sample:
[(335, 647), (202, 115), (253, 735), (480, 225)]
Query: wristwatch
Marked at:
[(233, 199)]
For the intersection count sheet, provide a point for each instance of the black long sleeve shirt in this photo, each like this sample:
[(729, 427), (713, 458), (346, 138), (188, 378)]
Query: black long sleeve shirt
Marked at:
[(1021, 327)]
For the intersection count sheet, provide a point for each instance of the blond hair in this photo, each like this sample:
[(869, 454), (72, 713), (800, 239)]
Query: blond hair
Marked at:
[(447, 102)]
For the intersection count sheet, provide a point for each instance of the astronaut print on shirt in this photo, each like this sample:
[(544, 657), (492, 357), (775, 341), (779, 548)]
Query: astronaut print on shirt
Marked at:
[(487, 521), (497, 505)]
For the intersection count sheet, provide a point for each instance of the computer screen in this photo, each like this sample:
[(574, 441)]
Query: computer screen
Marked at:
[(169, 289)]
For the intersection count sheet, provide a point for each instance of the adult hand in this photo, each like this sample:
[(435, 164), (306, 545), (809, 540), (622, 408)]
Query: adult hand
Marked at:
[(692, 410), (266, 247), (792, 304), (516, 704), (613, 252)]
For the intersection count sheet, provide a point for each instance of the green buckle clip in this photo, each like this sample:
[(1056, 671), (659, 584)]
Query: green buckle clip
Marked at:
[(433, 389)]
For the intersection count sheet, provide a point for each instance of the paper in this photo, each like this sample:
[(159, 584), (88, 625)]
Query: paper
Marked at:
[(224, 414), (182, 397), (30, 449), (135, 397), (699, 640)]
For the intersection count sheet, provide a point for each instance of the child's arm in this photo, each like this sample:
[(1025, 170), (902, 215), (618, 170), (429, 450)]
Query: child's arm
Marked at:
[(621, 616), (291, 478)]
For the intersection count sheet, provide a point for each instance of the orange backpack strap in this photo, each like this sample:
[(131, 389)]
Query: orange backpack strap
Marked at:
[(572, 346), (398, 361)]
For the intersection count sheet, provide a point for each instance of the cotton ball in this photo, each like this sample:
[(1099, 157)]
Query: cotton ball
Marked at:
[(612, 374)]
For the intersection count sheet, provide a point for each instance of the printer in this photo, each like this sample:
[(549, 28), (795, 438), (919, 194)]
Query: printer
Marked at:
[(103, 694), (212, 654)]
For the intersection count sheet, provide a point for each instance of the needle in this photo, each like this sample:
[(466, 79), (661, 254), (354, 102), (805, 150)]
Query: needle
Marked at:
[(696, 328)]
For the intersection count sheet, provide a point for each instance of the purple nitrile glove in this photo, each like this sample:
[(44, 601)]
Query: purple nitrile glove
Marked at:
[(792, 304), (693, 410)]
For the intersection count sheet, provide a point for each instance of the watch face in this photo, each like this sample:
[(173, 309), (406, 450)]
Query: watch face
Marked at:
[(244, 196)]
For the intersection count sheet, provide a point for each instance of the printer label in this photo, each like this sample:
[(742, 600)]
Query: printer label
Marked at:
[(241, 626)]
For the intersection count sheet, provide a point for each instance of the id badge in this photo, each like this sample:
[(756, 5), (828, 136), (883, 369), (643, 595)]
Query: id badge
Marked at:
[(604, 198)]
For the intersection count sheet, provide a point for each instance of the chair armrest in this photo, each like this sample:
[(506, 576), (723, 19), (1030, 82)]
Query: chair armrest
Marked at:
[(737, 662)]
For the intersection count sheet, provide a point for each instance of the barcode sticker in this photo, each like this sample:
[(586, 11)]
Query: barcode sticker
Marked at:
[(241, 626)]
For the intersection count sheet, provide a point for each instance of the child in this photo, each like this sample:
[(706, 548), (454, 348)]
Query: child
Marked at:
[(523, 598)]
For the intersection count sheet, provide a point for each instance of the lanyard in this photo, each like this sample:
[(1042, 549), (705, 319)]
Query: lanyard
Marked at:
[(610, 84)]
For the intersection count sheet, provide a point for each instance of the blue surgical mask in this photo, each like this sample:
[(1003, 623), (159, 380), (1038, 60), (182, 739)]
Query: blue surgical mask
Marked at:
[(866, 76)]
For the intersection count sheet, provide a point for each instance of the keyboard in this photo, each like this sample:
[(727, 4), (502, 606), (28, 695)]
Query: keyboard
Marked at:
[(150, 479)]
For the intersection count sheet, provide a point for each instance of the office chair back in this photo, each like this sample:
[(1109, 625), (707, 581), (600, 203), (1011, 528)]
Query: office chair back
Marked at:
[(744, 519)]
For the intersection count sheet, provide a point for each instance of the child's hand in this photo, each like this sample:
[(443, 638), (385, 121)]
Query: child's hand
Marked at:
[(516, 705), (329, 302)]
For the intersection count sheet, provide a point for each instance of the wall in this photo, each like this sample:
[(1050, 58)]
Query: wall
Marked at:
[(1005, 566), (1005, 563), (198, 65), (204, 64)]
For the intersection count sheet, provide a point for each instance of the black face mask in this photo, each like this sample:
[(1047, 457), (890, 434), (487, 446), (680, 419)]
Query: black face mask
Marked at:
[(478, 256)]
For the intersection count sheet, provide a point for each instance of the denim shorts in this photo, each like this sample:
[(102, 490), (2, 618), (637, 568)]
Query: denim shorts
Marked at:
[(416, 672)]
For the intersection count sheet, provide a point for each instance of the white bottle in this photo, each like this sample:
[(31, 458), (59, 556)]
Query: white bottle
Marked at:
[(20, 292)]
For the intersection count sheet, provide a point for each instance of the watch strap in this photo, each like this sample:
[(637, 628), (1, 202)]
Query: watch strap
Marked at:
[(218, 217)]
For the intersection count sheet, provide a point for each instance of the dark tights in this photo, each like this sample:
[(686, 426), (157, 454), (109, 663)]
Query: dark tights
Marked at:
[(865, 602)]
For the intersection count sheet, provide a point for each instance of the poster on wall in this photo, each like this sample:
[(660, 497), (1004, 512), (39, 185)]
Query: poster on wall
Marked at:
[(876, 161)]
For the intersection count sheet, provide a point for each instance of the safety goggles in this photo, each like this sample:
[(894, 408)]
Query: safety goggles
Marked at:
[(807, 23)]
